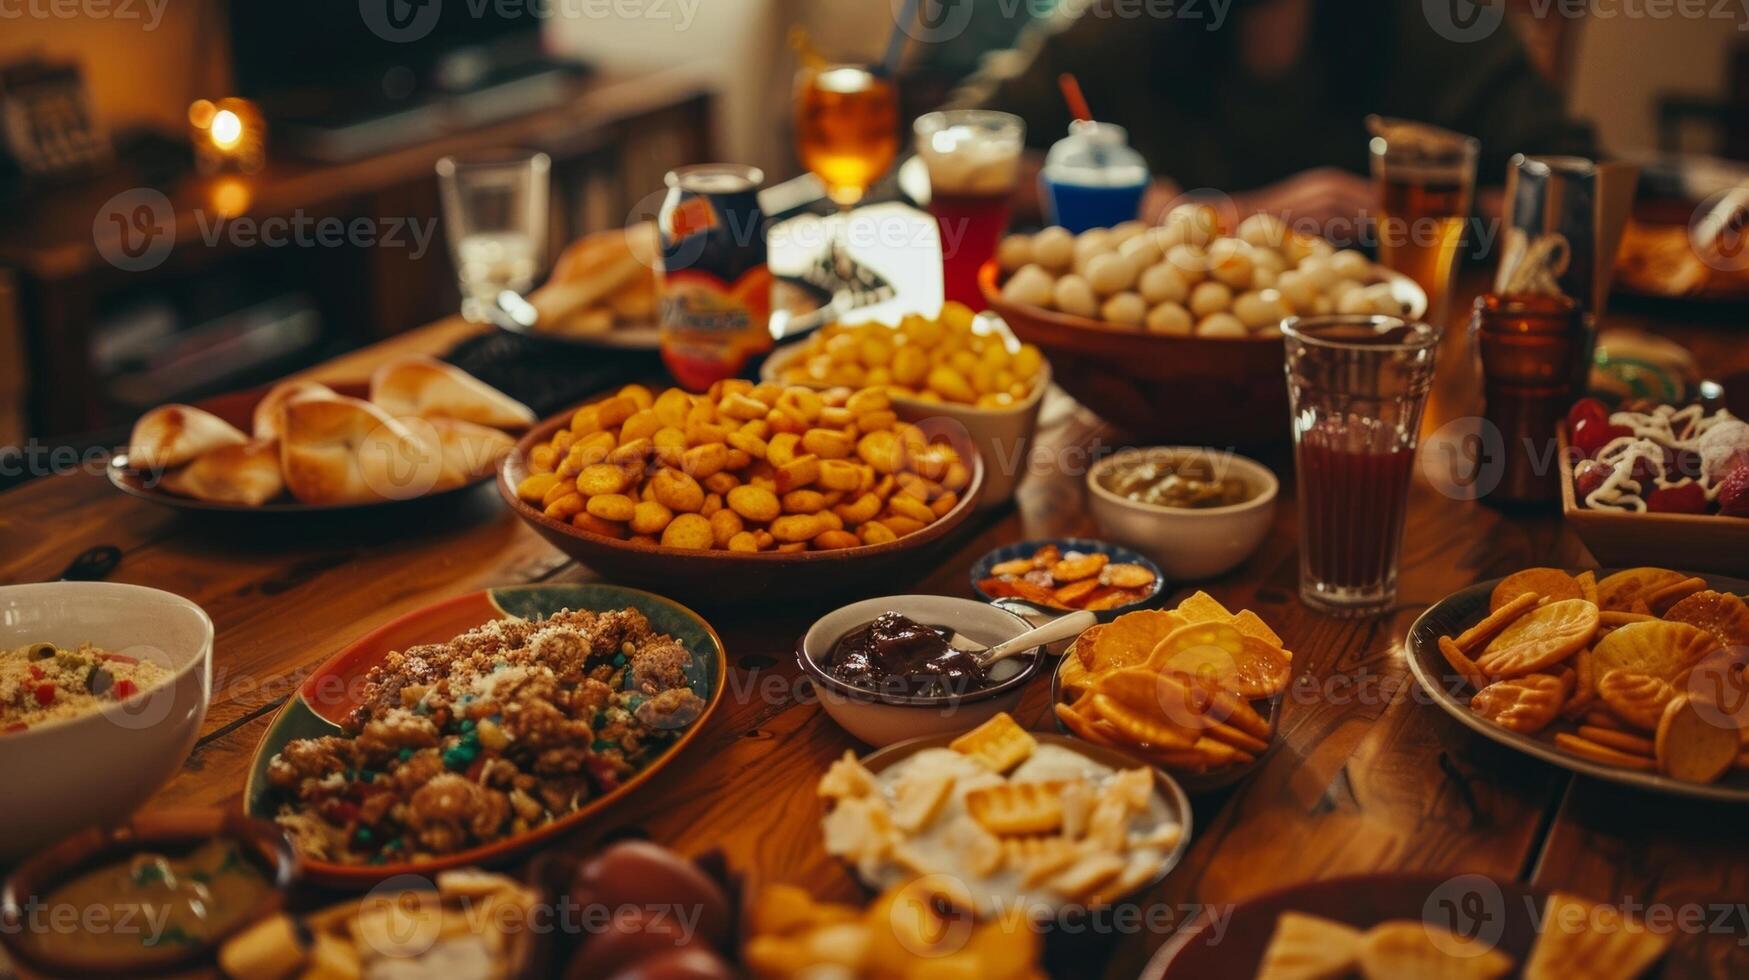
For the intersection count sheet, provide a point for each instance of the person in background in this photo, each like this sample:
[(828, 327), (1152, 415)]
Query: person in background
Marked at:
[(1269, 106)]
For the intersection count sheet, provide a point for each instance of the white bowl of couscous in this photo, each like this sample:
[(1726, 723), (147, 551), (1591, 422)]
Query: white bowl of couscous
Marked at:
[(972, 372), (103, 688)]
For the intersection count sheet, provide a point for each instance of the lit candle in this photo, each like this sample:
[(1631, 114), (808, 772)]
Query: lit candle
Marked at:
[(227, 134)]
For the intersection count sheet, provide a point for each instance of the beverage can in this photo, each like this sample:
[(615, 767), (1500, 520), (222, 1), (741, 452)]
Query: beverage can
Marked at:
[(716, 286)]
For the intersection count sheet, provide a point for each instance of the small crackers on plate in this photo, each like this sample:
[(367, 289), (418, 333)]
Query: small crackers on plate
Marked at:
[(1575, 938), (1056, 579), (1010, 816), (1176, 687), (1643, 669)]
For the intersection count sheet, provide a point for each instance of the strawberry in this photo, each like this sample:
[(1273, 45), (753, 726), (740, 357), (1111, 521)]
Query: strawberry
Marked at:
[(1684, 498), (1734, 490)]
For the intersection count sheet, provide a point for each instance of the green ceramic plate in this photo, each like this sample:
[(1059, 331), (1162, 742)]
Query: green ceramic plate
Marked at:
[(328, 694)]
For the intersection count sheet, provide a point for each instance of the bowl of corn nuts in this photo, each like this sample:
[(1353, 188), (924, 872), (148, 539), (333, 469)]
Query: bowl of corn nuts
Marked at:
[(956, 365), (745, 493)]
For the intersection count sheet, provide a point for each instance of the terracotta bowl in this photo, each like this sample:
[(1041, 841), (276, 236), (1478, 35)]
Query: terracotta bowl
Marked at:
[(717, 578), (165, 831), (1198, 391)]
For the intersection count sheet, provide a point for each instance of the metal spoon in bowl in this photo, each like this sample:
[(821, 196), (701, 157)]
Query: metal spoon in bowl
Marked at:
[(1060, 628)]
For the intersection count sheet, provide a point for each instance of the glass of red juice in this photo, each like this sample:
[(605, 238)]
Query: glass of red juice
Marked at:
[(973, 159), (1357, 385)]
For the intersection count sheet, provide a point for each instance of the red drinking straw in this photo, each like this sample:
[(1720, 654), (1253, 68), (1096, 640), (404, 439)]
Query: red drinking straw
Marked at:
[(1072, 95)]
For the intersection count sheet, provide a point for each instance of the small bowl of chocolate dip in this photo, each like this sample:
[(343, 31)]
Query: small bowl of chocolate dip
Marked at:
[(887, 670)]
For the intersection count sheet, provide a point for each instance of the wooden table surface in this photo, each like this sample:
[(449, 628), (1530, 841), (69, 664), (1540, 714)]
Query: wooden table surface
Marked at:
[(1368, 776)]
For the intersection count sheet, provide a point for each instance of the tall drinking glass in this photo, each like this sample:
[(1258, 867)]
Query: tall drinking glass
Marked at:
[(1357, 386), (495, 216), (847, 134), (1426, 179), (973, 158)]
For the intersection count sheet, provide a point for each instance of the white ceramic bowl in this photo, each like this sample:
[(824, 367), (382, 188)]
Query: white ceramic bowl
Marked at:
[(1187, 543), (62, 777), (1003, 435), (882, 718)]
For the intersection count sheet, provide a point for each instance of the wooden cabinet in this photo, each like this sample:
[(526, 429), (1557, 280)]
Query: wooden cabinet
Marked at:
[(93, 288)]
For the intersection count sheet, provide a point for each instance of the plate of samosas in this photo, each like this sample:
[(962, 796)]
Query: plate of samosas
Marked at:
[(1413, 925), (1635, 676), (419, 429), (1193, 690)]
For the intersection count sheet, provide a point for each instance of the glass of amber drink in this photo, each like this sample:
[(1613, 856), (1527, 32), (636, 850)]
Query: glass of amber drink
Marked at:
[(1426, 180), (847, 132)]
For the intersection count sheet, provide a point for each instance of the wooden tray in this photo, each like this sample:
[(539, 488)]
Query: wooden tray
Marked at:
[(1622, 539)]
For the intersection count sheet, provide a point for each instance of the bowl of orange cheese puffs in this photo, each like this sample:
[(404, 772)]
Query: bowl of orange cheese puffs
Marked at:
[(745, 492)]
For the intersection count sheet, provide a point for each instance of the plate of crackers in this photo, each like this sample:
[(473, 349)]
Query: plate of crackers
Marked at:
[(1023, 819), (1064, 574), (1463, 927), (1194, 690), (1636, 676)]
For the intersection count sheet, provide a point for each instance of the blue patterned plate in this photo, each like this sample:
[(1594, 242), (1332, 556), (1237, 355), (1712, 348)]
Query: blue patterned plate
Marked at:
[(1025, 549)]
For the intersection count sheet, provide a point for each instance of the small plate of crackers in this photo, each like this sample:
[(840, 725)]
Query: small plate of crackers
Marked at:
[(1194, 690), (1023, 819), (1462, 927), (1636, 676), (1062, 574)]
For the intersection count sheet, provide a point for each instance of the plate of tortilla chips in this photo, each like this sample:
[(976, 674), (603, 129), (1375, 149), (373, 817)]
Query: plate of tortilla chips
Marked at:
[(1194, 690), (1456, 927)]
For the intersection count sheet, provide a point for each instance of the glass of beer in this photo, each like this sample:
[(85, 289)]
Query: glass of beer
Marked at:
[(1426, 179), (847, 132), (973, 158), (1357, 385)]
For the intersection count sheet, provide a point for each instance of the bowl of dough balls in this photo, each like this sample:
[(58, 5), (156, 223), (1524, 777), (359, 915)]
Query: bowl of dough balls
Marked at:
[(1173, 331), (956, 365)]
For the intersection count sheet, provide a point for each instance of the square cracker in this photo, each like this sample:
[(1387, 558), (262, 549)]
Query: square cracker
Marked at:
[(1583, 939), (1000, 743)]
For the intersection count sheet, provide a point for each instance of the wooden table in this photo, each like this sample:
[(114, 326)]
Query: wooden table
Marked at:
[(1368, 777)]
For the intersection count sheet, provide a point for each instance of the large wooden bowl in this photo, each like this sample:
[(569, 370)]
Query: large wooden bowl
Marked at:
[(716, 578), (1196, 391)]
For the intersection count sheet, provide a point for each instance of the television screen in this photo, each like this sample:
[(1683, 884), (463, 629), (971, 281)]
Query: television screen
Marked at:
[(281, 47)]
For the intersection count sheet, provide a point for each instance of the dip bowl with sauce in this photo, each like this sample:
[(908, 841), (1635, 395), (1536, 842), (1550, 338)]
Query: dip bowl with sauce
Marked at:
[(155, 896), (884, 674), (1197, 512)]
